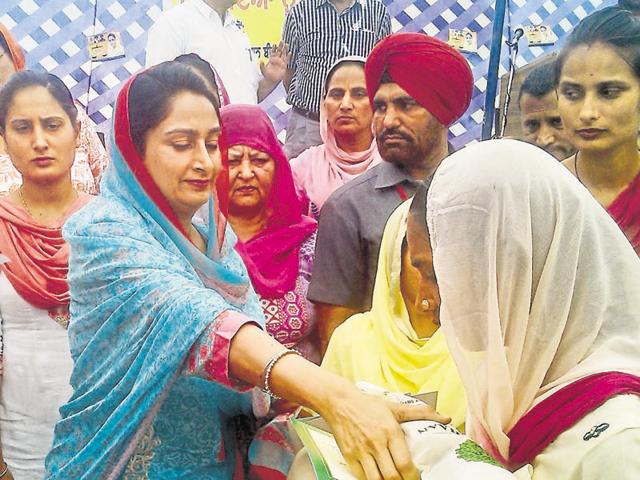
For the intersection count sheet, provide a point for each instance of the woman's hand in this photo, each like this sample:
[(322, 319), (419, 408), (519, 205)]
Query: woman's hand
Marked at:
[(7, 475), (367, 430)]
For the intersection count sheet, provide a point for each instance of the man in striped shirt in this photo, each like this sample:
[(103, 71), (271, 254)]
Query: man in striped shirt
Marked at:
[(319, 32)]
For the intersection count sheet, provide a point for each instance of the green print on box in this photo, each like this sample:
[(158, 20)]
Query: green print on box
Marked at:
[(470, 451)]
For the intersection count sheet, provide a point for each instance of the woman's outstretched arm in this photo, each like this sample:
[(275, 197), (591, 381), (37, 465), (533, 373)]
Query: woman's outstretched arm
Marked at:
[(367, 429)]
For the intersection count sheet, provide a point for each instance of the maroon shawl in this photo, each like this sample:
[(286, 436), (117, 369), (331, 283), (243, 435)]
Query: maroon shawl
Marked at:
[(625, 210), (562, 410)]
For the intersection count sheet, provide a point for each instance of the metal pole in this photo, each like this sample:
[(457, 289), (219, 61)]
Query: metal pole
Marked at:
[(494, 65), (513, 45)]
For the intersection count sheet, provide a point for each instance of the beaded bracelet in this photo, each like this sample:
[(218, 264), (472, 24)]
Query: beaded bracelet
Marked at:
[(266, 388)]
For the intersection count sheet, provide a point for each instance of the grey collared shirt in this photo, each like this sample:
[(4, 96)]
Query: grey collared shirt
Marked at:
[(350, 232)]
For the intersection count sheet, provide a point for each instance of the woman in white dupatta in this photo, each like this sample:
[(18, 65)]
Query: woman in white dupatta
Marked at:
[(540, 305)]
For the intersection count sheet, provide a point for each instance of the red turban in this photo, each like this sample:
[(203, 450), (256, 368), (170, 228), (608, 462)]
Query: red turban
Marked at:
[(435, 74)]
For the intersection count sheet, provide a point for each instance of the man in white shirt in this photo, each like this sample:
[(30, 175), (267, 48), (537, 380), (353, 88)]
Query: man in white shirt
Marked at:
[(207, 28)]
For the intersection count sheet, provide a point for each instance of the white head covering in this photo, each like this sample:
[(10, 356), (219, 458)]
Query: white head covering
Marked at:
[(539, 287)]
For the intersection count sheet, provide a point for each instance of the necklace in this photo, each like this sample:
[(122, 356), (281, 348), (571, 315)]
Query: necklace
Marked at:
[(24, 203), (26, 207), (575, 168)]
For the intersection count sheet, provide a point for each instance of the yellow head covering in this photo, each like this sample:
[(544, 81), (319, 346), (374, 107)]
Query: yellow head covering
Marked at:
[(381, 346)]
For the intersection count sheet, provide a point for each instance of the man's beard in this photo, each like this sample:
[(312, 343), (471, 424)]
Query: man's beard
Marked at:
[(409, 153), (402, 155)]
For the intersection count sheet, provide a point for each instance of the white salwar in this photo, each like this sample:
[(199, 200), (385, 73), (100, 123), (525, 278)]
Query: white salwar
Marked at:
[(539, 288), (34, 382)]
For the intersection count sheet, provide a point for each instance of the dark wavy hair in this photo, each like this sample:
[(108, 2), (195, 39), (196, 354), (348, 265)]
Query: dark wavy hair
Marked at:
[(151, 93), (540, 81), (29, 78), (4, 46), (613, 26), (632, 5), (201, 66), (339, 66)]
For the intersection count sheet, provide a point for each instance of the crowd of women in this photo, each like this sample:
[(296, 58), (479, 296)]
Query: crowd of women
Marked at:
[(144, 293)]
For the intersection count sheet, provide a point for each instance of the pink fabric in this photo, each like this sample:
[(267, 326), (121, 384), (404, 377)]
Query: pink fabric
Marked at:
[(321, 170), (289, 318), (559, 412), (271, 257), (224, 96), (625, 210), (38, 256), (209, 356)]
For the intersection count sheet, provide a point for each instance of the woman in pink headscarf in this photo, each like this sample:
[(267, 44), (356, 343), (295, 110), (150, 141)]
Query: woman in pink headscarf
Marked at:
[(349, 148), (276, 239)]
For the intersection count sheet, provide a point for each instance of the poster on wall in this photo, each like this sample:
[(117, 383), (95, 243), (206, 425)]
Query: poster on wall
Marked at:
[(464, 40), (105, 46), (539, 35), (263, 21)]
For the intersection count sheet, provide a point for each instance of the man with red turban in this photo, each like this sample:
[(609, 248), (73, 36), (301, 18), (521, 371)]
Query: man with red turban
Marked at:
[(418, 86)]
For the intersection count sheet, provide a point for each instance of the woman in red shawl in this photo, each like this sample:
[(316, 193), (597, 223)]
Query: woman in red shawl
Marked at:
[(599, 102), (91, 157), (276, 239), (39, 125)]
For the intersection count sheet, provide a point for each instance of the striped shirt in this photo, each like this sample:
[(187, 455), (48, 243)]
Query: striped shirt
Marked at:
[(318, 36)]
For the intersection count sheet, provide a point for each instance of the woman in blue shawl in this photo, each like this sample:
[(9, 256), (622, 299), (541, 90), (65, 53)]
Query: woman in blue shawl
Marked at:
[(165, 327)]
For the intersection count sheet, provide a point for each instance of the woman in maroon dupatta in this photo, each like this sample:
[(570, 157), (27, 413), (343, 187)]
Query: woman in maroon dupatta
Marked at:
[(276, 239), (599, 101)]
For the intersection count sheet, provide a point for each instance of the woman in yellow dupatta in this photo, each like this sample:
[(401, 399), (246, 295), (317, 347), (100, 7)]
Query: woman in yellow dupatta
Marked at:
[(382, 347)]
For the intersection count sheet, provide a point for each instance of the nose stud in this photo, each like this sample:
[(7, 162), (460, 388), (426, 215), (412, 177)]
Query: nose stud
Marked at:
[(425, 305)]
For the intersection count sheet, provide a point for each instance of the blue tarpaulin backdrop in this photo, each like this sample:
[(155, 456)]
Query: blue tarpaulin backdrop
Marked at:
[(54, 36)]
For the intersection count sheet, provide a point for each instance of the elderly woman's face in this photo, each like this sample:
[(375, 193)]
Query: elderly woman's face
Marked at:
[(6, 66), (250, 177), (39, 136), (347, 105), (182, 154)]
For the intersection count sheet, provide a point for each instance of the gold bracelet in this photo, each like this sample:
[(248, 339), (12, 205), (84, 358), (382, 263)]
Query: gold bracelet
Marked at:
[(266, 387)]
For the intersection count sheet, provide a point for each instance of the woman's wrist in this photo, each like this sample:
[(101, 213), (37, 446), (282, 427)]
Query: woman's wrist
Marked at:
[(250, 354), (329, 393)]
